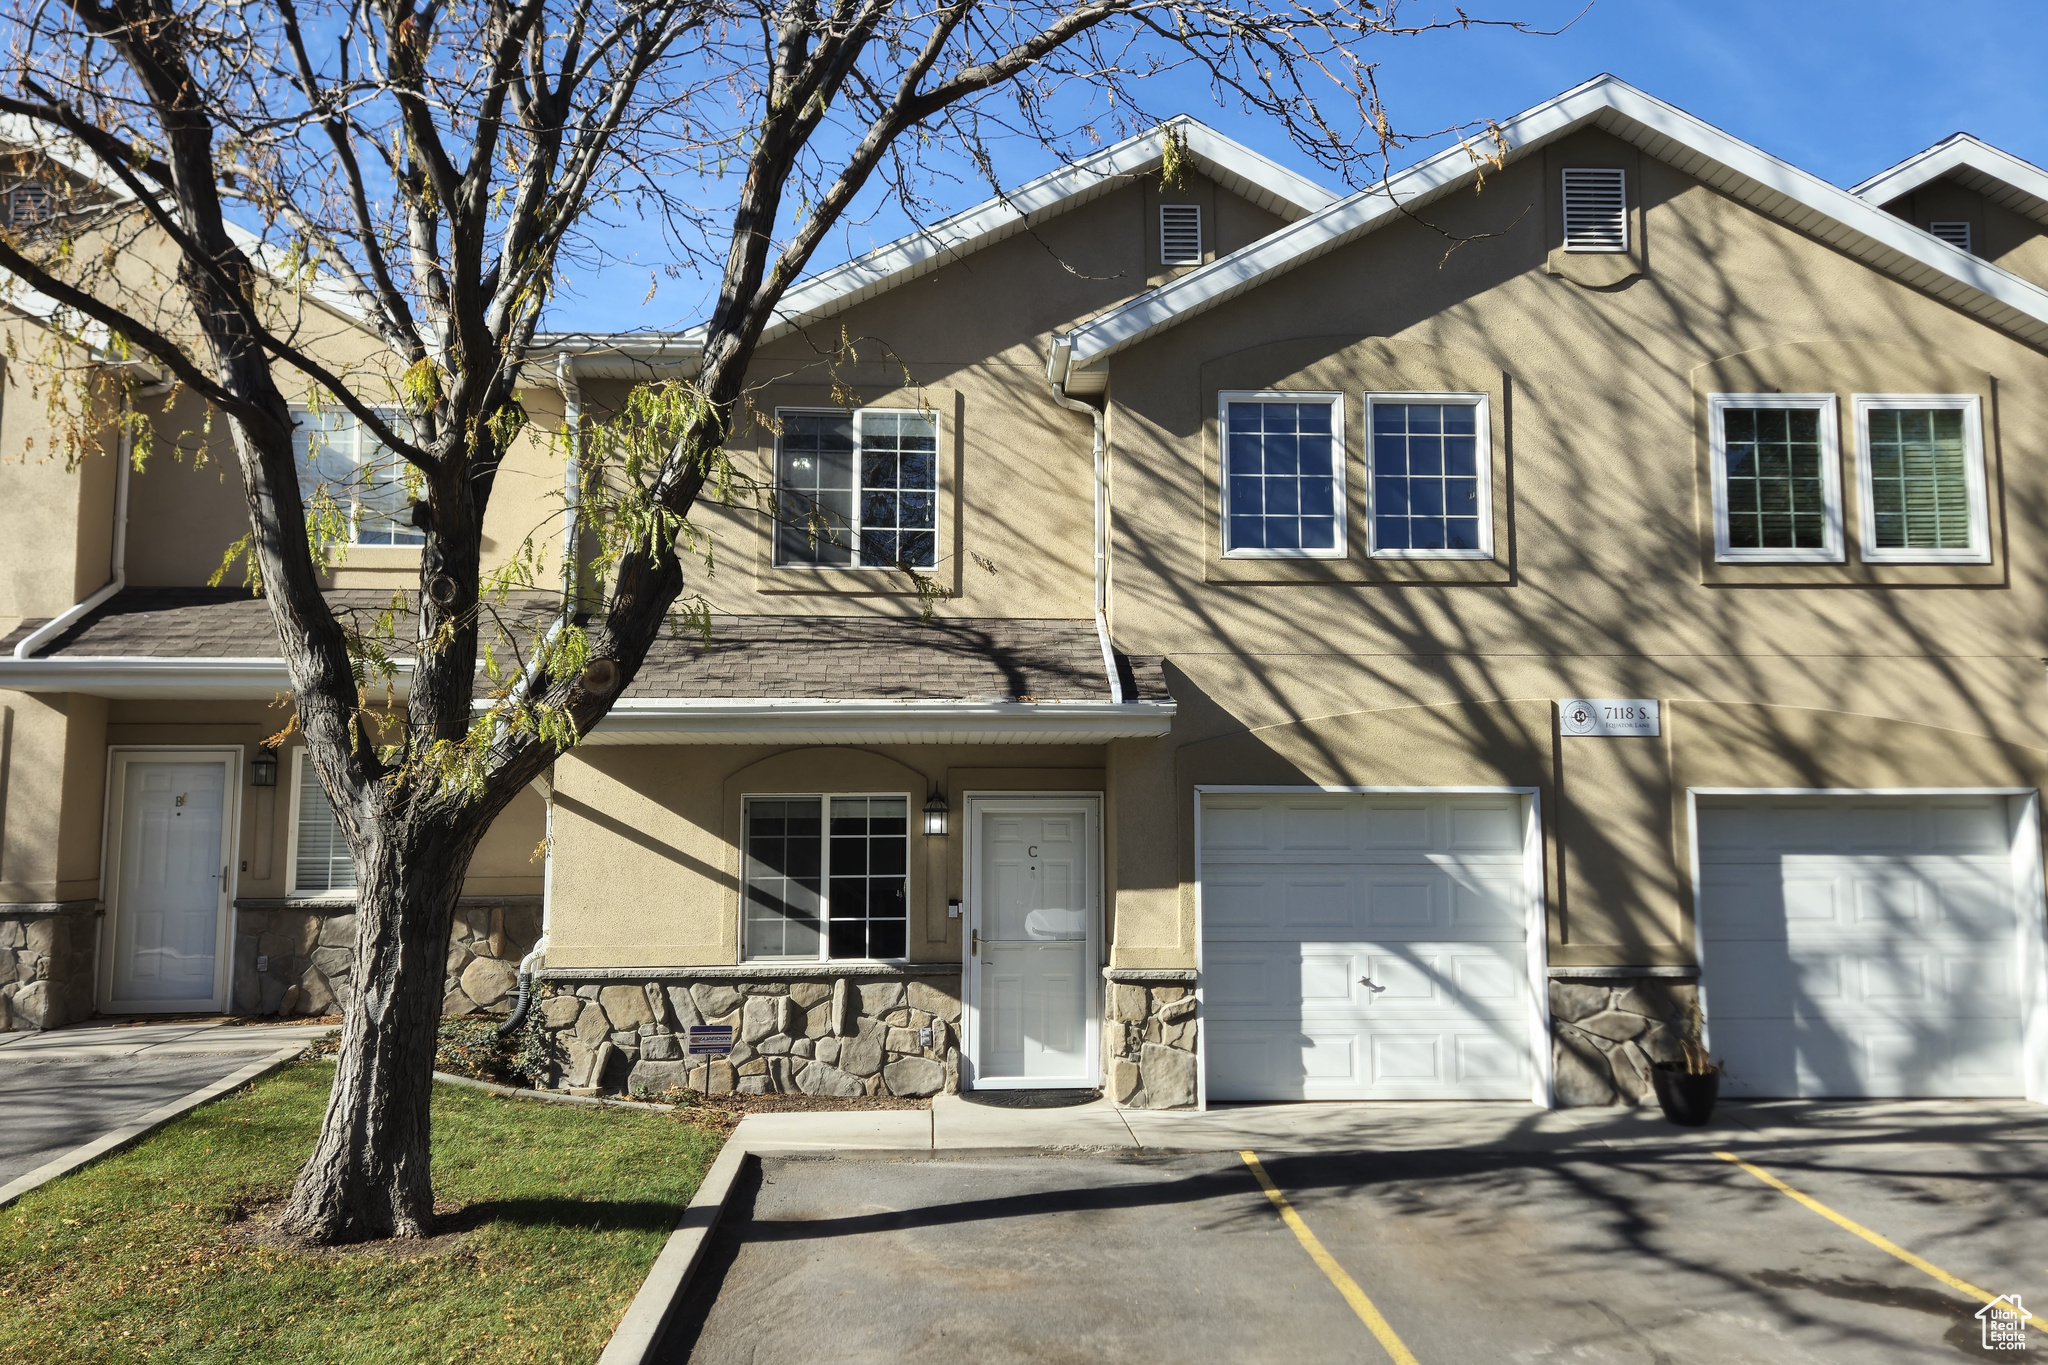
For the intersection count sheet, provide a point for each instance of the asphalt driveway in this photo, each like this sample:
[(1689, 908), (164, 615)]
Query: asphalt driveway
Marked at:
[(1636, 1243)]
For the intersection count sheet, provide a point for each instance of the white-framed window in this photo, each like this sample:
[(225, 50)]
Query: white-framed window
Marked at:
[(1595, 209), (318, 861), (1431, 493), (1920, 475), (336, 454), (1283, 475), (857, 490), (1955, 234), (1777, 477), (1180, 234), (826, 877)]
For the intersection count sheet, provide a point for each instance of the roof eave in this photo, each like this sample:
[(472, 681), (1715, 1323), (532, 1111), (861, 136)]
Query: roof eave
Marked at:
[(826, 721)]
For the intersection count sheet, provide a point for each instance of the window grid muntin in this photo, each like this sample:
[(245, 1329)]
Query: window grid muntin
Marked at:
[(330, 448), (1257, 471), (849, 871), (1977, 549), (1726, 508), (320, 861), (1595, 209), (874, 516), (1180, 234), (1480, 408)]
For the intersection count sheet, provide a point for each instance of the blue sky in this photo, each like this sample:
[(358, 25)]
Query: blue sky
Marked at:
[(1843, 88)]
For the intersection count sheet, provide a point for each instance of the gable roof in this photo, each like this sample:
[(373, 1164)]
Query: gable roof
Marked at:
[(1230, 164), (1766, 183), (1971, 162)]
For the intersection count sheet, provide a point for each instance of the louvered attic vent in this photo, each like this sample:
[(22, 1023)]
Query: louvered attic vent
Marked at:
[(1595, 210), (1180, 234), (1955, 234)]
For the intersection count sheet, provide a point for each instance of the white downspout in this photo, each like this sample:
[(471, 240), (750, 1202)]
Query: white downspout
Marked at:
[(117, 560), (1059, 395)]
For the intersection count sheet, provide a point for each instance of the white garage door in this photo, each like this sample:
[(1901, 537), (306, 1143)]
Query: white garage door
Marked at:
[(1365, 947), (1861, 946)]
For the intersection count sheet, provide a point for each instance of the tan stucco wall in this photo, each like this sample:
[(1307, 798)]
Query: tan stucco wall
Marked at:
[(646, 842), (1599, 585), (53, 763)]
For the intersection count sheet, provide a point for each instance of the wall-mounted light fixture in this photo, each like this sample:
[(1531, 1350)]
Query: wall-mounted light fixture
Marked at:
[(935, 812), (263, 770)]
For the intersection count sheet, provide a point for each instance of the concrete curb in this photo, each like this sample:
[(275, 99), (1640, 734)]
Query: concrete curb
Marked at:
[(156, 1118), (513, 1092), (638, 1335)]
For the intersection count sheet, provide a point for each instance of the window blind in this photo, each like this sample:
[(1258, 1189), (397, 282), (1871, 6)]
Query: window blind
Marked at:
[(323, 862)]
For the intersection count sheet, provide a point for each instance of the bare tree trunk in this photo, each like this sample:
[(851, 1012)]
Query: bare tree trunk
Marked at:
[(370, 1174)]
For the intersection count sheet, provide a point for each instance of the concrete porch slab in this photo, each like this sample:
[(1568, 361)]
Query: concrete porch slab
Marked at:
[(893, 1130), (959, 1122)]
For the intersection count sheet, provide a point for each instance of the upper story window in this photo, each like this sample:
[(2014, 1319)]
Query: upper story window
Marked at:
[(1431, 475), (1283, 475), (827, 877), (1921, 470), (1955, 234), (366, 481), (1180, 234), (1777, 481), (1595, 209), (857, 490), (320, 860)]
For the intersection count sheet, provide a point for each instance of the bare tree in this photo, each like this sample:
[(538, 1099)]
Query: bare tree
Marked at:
[(434, 168)]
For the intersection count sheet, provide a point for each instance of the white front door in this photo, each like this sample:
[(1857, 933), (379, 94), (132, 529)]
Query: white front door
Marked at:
[(1369, 946), (168, 879), (1033, 916), (1861, 946)]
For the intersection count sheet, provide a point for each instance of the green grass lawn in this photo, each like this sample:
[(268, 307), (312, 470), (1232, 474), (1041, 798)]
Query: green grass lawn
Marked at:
[(131, 1260)]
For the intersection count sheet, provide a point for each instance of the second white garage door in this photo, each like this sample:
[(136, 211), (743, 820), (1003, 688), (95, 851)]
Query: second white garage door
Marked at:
[(1861, 946), (1366, 947)]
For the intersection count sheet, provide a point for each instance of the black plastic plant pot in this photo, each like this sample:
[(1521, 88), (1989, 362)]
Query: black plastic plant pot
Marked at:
[(1686, 1099)]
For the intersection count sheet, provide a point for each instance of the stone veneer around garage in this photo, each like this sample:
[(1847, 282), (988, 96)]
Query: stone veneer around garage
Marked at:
[(1607, 1027), (814, 1033), (46, 959), (1148, 1041)]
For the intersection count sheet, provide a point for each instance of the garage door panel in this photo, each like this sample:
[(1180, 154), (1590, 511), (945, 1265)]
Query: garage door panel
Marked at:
[(1861, 946)]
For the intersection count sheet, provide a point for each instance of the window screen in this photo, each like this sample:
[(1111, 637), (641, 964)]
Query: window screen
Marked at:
[(337, 458), (827, 877), (1180, 234), (857, 490), (1919, 479), (1425, 477), (1595, 210), (322, 862), (1282, 466), (1776, 492)]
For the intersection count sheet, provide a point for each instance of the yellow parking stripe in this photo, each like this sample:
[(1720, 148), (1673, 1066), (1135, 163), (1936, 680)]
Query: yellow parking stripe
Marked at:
[(1884, 1244), (1346, 1286)]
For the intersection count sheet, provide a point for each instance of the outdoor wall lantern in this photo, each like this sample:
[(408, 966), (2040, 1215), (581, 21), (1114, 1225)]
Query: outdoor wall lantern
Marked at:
[(263, 771), (935, 814)]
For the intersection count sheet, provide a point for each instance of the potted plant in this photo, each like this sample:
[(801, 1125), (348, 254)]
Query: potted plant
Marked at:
[(1687, 1088)]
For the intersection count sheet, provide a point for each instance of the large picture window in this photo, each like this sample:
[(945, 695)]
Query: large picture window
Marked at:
[(857, 490), (827, 877), (1921, 465), (337, 457), (1431, 491), (1283, 475), (320, 861), (1777, 477)]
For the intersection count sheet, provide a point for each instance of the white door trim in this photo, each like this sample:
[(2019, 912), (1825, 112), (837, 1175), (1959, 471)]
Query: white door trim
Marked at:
[(970, 966), (1542, 1091), (2023, 820), (229, 756)]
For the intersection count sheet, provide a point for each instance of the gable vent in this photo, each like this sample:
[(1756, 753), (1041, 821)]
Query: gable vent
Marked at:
[(1595, 210), (1180, 234), (1955, 234)]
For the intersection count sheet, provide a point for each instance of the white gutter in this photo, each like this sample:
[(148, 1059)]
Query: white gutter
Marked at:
[(1059, 395), (132, 675), (741, 719), (572, 485), (118, 559)]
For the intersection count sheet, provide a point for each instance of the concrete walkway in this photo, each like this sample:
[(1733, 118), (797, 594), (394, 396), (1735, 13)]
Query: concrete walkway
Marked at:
[(156, 1037)]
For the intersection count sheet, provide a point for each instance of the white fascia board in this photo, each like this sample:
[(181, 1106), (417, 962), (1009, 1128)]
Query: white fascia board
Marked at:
[(186, 678), (612, 355), (1774, 185), (778, 720), (1236, 166), (1977, 160)]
